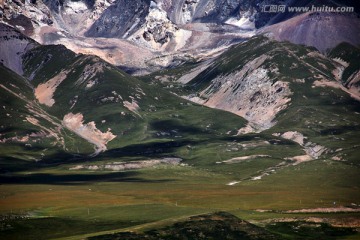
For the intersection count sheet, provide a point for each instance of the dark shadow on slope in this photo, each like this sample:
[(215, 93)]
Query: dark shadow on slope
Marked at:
[(154, 149), (339, 130), (171, 125), (75, 179), (129, 70), (139, 151), (240, 138), (143, 150), (260, 137), (12, 164)]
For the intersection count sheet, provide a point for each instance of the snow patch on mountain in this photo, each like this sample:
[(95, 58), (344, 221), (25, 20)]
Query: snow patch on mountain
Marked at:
[(188, 10), (74, 7), (243, 23)]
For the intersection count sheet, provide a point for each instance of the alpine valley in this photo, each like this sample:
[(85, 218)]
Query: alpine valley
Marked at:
[(187, 119)]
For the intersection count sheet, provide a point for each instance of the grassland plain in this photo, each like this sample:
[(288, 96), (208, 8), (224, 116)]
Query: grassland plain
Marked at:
[(55, 199), (56, 203)]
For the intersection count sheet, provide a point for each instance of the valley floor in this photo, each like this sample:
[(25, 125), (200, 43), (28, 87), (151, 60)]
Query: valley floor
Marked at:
[(59, 203)]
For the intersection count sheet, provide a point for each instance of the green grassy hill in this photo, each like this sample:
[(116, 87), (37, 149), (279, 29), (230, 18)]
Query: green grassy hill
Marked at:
[(28, 132), (161, 160)]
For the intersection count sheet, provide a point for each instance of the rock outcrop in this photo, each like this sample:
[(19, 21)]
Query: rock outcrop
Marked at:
[(120, 20)]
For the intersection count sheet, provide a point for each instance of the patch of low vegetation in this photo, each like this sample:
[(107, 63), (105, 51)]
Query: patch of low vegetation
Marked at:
[(215, 226), (309, 230)]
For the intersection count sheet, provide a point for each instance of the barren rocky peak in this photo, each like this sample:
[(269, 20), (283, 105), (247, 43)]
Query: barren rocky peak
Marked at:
[(12, 39), (319, 29), (167, 32), (120, 19)]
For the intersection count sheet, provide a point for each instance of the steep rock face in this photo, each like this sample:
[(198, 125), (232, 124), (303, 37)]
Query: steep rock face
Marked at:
[(27, 17), (13, 46), (76, 17), (157, 28), (40, 17), (218, 11), (259, 104), (120, 19), (256, 79), (248, 92)]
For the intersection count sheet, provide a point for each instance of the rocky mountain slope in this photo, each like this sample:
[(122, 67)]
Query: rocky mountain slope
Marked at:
[(320, 30), (229, 119), (129, 16), (82, 27), (28, 131), (11, 40), (95, 100), (254, 79), (269, 82), (164, 34), (261, 81)]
